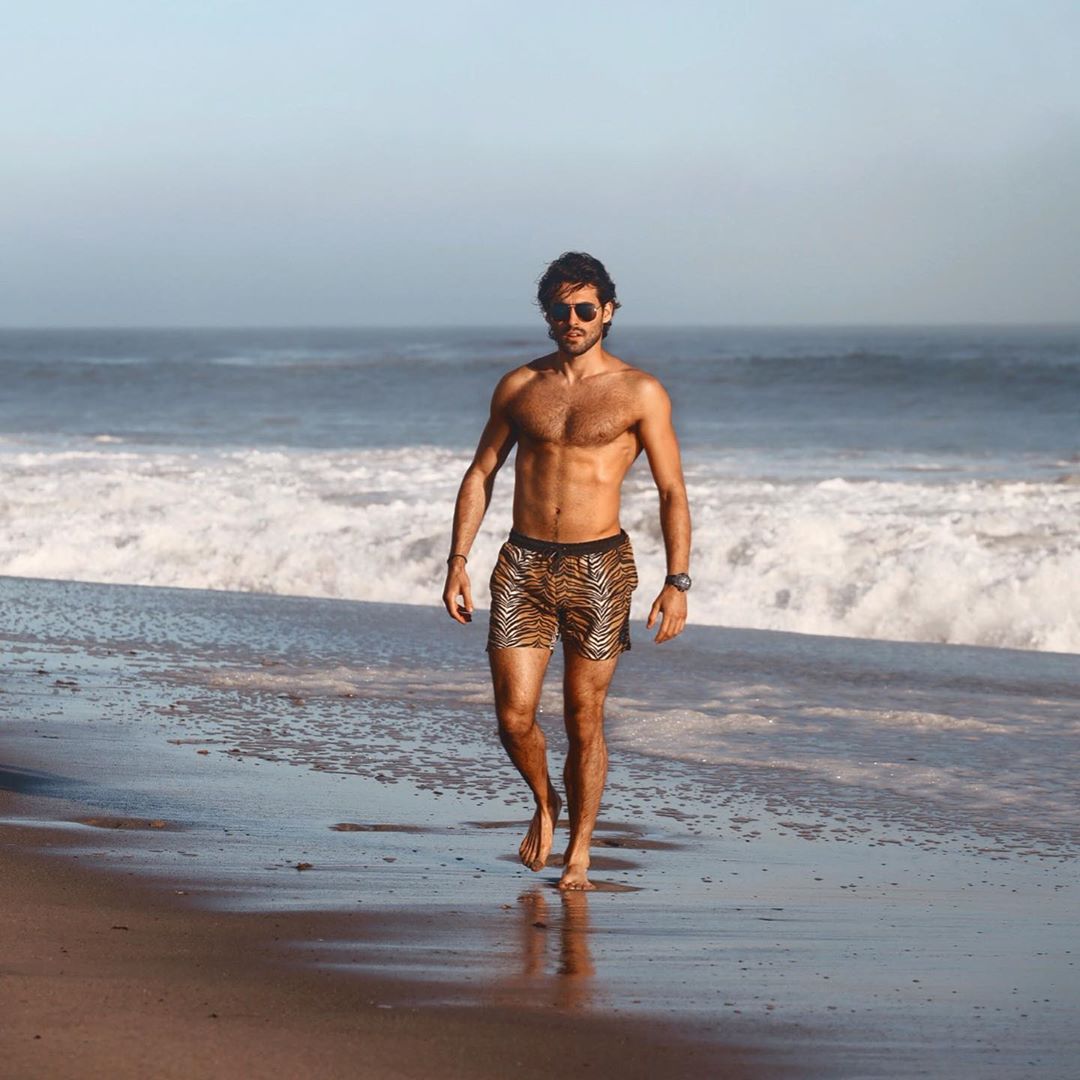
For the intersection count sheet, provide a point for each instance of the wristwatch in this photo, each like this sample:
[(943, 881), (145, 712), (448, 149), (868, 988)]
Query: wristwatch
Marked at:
[(680, 581)]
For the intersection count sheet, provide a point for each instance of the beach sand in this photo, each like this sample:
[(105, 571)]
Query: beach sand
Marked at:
[(251, 835), (105, 977)]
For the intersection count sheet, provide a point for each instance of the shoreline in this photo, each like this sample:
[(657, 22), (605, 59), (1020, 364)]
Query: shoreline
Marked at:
[(152, 739)]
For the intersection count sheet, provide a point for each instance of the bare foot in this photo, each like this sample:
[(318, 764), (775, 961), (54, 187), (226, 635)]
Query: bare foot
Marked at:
[(536, 846), (575, 877)]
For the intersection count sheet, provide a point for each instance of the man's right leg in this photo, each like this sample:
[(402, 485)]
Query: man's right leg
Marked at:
[(518, 677)]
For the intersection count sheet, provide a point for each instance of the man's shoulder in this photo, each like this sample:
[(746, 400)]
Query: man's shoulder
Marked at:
[(617, 366), (645, 384), (512, 382), (523, 373), (635, 384), (647, 392)]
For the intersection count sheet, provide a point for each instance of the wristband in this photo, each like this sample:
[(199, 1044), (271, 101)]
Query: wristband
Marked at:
[(456, 555)]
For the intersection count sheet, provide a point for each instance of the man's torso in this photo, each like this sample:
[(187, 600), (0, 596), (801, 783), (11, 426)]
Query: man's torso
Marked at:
[(576, 442)]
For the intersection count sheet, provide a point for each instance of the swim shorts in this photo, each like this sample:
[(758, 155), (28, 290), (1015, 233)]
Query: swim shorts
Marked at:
[(541, 591)]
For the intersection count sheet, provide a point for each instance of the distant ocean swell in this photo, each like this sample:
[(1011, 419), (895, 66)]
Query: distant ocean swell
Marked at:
[(976, 561)]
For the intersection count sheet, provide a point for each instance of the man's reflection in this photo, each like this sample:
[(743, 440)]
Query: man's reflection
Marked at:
[(569, 971)]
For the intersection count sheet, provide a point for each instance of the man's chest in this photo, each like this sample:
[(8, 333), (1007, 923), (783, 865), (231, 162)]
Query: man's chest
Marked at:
[(581, 415)]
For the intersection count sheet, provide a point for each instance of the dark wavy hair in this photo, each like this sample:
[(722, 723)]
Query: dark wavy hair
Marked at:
[(575, 269)]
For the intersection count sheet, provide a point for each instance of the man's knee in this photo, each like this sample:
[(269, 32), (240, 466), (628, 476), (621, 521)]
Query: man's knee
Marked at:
[(585, 720), (516, 717)]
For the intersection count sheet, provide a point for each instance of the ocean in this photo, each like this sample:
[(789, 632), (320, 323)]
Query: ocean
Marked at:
[(901, 484)]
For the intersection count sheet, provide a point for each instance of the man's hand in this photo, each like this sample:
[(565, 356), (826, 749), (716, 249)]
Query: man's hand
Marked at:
[(458, 587), (670, 605)]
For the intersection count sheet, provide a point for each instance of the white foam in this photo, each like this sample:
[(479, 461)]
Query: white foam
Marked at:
[(977, 562)]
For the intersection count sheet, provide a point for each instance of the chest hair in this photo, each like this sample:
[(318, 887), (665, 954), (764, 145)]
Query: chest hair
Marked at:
[(592, 413)]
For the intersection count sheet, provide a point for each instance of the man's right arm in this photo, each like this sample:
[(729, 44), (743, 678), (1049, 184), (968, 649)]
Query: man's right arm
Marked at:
[(473, 497)]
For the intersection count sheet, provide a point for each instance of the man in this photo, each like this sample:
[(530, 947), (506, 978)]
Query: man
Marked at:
[(579, 418)]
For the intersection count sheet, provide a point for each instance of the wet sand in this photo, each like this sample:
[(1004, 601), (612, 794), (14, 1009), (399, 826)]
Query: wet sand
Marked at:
[(104, 976), (333, 910)]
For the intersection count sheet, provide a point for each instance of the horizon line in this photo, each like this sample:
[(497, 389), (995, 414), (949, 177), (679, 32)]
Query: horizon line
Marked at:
[(1052, 324)]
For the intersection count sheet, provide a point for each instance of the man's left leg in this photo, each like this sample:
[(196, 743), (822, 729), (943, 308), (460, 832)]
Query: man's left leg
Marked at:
[(585, 687)]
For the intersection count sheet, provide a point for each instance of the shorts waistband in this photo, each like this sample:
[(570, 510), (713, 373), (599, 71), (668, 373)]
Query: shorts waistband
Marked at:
[(552, 547)]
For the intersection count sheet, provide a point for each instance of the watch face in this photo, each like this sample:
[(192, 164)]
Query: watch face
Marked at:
[(680, 581)]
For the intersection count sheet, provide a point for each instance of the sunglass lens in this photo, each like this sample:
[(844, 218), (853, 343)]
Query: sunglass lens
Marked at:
[(560, 312)]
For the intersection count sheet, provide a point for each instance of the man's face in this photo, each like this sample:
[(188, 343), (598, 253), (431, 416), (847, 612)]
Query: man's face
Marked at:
[(573, 334)]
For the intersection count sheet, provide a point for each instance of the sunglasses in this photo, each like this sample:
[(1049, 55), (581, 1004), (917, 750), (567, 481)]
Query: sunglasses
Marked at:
[(560, 312)]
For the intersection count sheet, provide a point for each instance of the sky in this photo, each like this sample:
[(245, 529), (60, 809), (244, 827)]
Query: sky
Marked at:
[(256, 162)]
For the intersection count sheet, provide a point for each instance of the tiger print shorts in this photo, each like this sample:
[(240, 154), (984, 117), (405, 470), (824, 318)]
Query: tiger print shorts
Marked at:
[(541, 591)]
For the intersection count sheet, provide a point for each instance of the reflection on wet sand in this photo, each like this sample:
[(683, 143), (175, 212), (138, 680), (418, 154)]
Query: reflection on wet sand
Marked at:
[(563, 974)]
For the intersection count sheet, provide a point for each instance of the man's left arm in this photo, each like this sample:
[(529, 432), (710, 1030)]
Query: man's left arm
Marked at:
[(661, 446)]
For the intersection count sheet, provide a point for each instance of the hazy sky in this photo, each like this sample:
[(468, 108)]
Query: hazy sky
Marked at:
[(255, 162)]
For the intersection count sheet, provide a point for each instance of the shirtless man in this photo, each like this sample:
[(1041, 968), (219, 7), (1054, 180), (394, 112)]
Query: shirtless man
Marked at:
[(579, 418)]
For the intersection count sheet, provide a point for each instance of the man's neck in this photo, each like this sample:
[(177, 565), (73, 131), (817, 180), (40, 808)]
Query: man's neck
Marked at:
[(583, 365)]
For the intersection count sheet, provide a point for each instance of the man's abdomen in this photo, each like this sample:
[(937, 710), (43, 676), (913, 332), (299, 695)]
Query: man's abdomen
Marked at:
[(567, 494)]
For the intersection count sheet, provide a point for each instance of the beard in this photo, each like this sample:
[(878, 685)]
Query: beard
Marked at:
[(578, 342)]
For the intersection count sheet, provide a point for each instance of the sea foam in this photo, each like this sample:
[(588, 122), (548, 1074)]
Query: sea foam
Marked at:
[(975, 561)]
